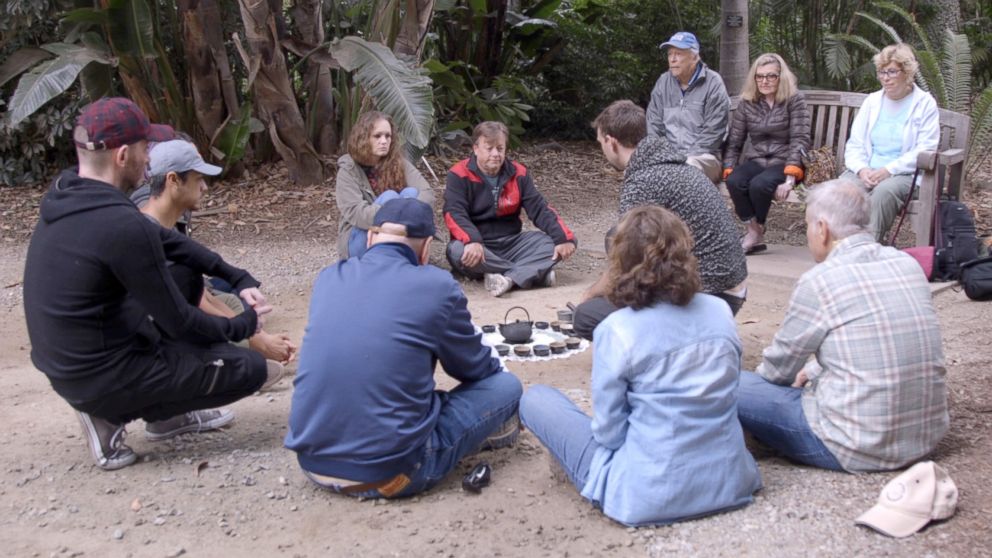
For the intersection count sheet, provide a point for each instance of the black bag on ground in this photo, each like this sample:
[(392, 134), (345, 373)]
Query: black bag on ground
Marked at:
[(976, 278), (956, 240)]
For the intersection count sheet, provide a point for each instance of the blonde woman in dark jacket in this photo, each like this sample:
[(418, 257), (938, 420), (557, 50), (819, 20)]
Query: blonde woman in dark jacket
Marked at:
[(774, 116)]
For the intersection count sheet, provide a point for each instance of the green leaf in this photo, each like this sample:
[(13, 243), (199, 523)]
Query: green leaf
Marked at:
[(400, 91), (543, 9), (19, 62), (87, 15), (956, 69), (888, 29), (132, 28), (981, 129), (930, 77), (909, 19), (42, 84), (232, 138), (478, 7)]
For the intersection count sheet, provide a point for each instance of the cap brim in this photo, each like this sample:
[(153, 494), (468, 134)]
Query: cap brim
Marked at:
[(208, 169), (893, 523), (161, 132)]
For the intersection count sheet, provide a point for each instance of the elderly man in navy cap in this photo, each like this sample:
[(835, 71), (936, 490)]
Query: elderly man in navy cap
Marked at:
[(689, 106), (366, 418), (98, 297)]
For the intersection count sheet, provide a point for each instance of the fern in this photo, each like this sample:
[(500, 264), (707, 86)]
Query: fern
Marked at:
[(956, 68), (888, 29), (910, 19), (838, 59), (981, 129), (930, 78)]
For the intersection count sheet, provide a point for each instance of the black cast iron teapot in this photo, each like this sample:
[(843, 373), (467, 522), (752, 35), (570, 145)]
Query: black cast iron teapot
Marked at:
[(518, 331)]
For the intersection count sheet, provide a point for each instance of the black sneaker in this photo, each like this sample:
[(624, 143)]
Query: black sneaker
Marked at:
[(193, 421), (505, 436), (106, 441)]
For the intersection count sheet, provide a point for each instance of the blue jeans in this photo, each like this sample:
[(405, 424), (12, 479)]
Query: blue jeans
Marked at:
[(358, 238), (774, 415), (563, 428), (469, 414)]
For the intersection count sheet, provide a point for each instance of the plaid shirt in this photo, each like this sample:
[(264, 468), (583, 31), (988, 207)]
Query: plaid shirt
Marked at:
[(879, 402)]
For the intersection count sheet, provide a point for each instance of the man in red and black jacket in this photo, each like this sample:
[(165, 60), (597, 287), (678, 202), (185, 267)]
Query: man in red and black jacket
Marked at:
[(482, 201)]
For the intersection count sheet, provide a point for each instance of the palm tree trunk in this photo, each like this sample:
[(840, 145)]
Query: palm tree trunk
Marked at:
[(413, 29), (734, 56), (273, 93), (309, 28)]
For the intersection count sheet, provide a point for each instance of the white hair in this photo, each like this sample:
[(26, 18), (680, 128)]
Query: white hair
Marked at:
[(842, 204)]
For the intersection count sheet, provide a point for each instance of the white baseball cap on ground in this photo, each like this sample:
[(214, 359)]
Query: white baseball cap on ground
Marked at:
[(919, 495)]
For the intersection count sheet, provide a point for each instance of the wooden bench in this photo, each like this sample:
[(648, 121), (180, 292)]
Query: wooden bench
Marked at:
[(831, 115)]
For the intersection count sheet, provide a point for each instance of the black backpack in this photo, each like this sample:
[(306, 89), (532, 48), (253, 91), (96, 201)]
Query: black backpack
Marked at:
[(976, 278), (955, 240)]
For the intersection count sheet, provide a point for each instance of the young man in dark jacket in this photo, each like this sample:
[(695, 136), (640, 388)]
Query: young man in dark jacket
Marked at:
[(482, 201), (97, 297)]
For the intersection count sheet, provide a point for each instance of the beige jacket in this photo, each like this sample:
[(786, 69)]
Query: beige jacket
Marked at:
[(356, 200)]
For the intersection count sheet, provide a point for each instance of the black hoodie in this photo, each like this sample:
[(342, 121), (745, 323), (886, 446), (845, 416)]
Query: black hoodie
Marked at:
[(95, 272)]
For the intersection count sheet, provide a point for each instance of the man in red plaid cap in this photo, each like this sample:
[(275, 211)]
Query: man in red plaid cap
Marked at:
[(103, 312)]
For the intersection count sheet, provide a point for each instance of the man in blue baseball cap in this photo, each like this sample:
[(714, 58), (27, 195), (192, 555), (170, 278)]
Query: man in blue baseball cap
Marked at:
[(367, 419), (689, 106)]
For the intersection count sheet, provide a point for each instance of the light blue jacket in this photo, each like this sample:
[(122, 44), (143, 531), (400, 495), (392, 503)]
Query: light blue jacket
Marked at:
[(664, 394)]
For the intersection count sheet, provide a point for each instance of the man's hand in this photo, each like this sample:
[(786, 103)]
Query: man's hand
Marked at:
[(801, 379), (563, 251), (598, 288), (473, 255), (276, 347), (254, 298)]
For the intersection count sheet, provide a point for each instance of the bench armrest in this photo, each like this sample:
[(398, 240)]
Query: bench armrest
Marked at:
[(927, 160)]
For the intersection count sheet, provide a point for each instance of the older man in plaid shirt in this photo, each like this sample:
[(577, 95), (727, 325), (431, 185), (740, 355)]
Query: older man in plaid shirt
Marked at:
[(874, 398)]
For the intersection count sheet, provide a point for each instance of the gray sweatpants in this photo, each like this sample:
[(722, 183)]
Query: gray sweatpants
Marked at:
[(524, 258), (886, 201)]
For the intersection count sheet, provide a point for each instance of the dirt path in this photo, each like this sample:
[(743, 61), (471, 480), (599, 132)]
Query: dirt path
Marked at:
[(239, 493)]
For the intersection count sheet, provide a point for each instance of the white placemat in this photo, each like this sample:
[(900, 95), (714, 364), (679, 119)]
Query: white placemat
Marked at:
[(538, 337)]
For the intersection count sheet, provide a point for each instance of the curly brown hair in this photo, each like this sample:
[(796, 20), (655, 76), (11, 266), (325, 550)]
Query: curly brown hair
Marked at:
[(390, 167), (651, 260)]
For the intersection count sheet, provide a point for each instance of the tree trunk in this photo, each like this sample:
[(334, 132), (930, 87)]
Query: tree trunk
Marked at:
[(274, 97), (488, 56), (413, 29), (734, 55), (947, 15), (204, 80), (321, 121)]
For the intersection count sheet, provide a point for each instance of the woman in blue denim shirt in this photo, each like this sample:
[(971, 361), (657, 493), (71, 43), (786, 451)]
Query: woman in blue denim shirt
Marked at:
[(664, 443)]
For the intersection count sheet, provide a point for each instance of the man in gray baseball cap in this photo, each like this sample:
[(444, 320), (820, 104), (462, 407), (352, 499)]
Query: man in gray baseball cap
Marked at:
[(176, 187), (689, 106)]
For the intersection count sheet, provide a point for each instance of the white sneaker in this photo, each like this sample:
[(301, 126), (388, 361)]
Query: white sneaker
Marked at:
[(498, 284), (274, 373), (550, 279)]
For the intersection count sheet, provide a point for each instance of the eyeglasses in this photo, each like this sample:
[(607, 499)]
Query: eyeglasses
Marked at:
[(765, 77), (887, 73)]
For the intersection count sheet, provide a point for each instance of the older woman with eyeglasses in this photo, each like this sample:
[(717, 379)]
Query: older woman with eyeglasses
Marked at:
[(773, 114), (893, 126)]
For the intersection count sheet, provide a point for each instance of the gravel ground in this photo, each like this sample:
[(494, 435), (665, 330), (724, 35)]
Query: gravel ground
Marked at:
[(238, 492)]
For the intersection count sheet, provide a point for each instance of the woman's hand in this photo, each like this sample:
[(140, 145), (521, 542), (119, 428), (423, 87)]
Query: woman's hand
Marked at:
[(783, 189), (276, 347)]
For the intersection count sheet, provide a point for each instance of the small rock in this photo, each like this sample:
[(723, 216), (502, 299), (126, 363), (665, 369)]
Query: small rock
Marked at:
[(176, 553), (118, 534), (159, 521)]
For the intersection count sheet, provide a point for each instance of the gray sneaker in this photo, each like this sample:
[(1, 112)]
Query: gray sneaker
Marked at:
[(274, 373), (193, 421), (505, 436), (498, 284), (106, 442)]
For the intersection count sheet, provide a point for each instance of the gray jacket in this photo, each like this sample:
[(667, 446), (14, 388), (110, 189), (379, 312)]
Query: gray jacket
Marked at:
[(696, 122), (355, 197)]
